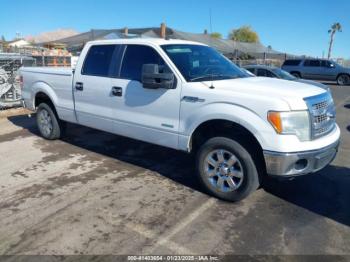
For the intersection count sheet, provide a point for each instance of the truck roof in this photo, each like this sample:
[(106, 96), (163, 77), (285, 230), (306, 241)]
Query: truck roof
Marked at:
[(153, 41)]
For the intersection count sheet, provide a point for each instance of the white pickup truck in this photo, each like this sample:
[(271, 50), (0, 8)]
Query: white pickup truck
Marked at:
[(186, 96)]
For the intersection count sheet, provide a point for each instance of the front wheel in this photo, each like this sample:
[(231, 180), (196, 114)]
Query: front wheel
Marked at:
[(226, 169), (49, 125), (343, 80)]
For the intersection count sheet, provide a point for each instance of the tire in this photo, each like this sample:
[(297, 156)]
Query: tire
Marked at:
[(296, 74), (49, 125), (343, 79), (232, 163)]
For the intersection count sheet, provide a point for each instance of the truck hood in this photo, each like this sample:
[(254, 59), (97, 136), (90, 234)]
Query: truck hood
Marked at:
[(291, 92)]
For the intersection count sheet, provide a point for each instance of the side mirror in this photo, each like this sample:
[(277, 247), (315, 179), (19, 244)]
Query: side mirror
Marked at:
[(153, 79)]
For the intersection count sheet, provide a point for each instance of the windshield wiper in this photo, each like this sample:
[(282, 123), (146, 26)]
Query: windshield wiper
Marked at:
[(211, 77)]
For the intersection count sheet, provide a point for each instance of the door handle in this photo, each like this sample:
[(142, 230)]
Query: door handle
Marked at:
[(117, 91), (193, 99), (79, 86)]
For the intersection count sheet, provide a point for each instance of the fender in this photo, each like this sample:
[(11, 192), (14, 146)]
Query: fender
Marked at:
[(224, 111), (45, 88), (63, 111)]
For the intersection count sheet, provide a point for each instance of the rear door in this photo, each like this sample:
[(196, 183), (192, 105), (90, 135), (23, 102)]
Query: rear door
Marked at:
[(150, 115), (92, 87), (312, 69)]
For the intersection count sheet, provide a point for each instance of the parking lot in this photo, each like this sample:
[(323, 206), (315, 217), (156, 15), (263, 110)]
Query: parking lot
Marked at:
[(96, 193)]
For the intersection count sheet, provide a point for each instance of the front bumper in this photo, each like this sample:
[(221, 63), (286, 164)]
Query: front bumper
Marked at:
[(299, 163)]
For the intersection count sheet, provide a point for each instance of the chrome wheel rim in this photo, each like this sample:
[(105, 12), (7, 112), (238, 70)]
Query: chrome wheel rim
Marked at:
[(45, 122), (343, 80), (223, 170)]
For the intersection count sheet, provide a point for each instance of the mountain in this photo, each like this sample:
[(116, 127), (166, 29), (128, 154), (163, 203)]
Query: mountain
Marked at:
[(52, 35)]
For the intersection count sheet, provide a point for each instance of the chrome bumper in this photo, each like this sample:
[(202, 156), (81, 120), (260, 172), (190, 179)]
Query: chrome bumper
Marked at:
[(299, 163)]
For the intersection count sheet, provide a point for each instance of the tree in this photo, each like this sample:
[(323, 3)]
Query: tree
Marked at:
[(336, 27), (244, 34), (216, 35)]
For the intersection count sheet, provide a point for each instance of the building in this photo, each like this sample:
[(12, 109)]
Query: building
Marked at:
[(232, 49), (18, 43)]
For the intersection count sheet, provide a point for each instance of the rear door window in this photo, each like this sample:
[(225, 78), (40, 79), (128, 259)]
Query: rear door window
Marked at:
[(99, 60), (313, 63), (291, 62)]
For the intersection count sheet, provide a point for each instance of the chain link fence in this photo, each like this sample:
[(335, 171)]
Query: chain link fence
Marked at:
[(268, 62), (10, 91)]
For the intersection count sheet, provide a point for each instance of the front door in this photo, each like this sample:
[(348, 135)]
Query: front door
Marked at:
[(329, 71), (146, 114)]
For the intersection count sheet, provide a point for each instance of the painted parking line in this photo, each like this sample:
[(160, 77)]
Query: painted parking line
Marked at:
[(145, 232), (165, 239), (150, 234)]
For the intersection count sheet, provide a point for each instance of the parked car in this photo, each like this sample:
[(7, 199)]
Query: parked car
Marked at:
[(275, 72), (185, 95), (247, 71), (319, 69)]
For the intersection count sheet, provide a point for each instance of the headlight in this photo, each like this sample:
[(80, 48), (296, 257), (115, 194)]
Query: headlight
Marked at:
[(291, 123)]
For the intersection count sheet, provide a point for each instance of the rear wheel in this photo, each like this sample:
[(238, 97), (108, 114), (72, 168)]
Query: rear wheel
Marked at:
[(226, 169), (343, 79), (49, 125)]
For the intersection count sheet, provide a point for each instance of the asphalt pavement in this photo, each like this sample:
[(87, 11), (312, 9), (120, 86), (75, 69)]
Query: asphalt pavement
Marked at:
[(97, 193)]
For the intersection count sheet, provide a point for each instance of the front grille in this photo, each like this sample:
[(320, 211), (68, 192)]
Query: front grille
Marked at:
[(321, 105), (322, 114), (320, 119)]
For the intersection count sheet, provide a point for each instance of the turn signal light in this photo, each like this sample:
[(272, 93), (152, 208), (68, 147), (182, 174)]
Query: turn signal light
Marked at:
[(276, 121)]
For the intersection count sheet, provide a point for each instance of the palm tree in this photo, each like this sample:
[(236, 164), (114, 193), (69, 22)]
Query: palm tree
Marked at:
[(336, 27)]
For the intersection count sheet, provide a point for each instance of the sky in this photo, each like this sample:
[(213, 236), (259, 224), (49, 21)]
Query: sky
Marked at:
[(296, 26)]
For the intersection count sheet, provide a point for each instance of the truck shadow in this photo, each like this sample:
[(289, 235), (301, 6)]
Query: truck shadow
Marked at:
[(170, 163), (325, 193)]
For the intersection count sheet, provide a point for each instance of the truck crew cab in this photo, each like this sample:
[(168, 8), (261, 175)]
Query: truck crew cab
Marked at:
[(185, 95)]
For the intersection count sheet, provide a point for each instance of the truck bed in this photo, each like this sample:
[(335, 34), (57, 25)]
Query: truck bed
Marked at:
[(49, 70), (54, 81)]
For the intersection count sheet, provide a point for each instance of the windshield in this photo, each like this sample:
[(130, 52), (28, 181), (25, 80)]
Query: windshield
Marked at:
[(283, 74), (202, 63)]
